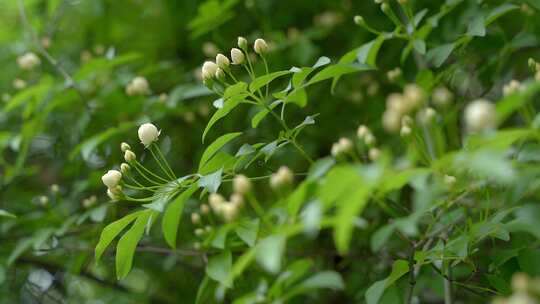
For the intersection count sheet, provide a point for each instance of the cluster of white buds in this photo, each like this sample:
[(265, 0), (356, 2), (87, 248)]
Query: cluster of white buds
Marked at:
[(442, 97), (19, 84), (480, 115), (148, 133), (512, 87), (283, 177), (89, 201), (342, 147), (28, 61), (229, 210), (365, 134), (138, 86), (400, 105), (111, 180), (394, 75)]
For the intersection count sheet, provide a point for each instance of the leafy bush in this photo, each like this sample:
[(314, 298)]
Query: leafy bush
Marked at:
[(370, 152)]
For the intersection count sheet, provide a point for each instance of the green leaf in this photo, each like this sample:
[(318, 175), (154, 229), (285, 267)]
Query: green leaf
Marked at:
[(437, 56), (234, 90), (111, 231), (376, 291), (211, 181), (262, 114), (173, 214), (499, 11), (420, 46), (219, 268), (228, 106), (367, 53), (102, 64), (379, 238), (513, 102), (247, 231), (215, 146), (337, 70), (261, 81), (4, 213), (324, 279), (348, 210), (477, 27), (269, 252), (128, 243), (529, 261), (87, 147)]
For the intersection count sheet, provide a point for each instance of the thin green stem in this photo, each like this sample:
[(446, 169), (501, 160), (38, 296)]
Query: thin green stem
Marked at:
[(164, 160), (138, 167), (156, 158)]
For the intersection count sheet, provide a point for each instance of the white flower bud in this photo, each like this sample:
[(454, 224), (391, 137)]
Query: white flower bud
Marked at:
[(208, 70), (124, 147), (237, 199), (216, 201), (414, 96), (148, 133), (229, 211), (394, 75), (406, 121), (28, 61), (480, 115), (396, 103), (199, 232), (43, 200), (163, 97), (19, 84), (260, 47), (89, 202), (442, 97), (362, 131), (205, 209), (427, 115), (369, 139), (449, 180), (237, 56), (138, 86), (111, 178), (374, 154), (55, 188), (220, 74), (359, 20), (405, 131), (282, 177), (512, 87), (124, 168), (195, 218), (241, 184), (129, 156), (222, 61), (391, 120), (242, 43)]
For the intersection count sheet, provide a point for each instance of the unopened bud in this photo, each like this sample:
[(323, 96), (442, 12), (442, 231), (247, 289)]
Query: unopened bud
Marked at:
[(480, 115), (241, 184), (124, 168), (282, 177), (220, 74), (205, 209), (129, 156), (237, 56), (222, 61), (208, 70), (242, 43), (359, 20), (362, 131), (374, 154), (124, 147), (195, 218), (405, 131), (260, 47)]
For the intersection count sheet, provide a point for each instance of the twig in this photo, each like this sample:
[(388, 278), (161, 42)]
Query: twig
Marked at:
[(412, 276)]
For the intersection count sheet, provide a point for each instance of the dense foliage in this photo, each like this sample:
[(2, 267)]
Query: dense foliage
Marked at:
[(227, 151)]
